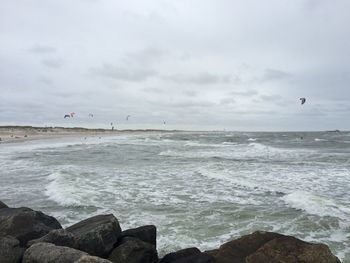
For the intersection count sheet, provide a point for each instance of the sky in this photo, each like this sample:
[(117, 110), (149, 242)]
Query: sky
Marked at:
[(191, 64)]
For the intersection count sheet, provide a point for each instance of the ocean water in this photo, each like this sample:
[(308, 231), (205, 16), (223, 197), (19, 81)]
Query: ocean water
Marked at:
[(199, 188)]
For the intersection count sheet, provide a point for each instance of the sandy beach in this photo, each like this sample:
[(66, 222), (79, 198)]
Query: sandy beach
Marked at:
[(15, 134)]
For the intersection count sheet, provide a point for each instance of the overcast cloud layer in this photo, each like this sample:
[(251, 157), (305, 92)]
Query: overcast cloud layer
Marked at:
[(195, 64)]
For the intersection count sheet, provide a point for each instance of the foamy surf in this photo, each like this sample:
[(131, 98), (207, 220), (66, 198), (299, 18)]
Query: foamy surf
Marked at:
[(185, 182)]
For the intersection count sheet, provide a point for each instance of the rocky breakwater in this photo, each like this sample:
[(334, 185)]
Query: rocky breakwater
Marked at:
[(30, 236)]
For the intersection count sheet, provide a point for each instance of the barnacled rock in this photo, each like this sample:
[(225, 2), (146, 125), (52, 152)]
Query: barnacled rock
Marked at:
[(133, 250), (96, 235), (25, 224), (10, 251)]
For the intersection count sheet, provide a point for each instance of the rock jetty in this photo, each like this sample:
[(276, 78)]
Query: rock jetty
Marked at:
[(30, 236)]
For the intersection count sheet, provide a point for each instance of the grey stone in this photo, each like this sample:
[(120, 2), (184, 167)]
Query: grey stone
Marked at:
[(3, 205), (145, 233), (10, 251), (133, 250), (97, 235), (59, 237), (25, 224), (49, 253)]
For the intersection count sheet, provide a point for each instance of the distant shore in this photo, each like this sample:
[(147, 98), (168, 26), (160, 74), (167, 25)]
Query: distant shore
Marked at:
[(13, 134)]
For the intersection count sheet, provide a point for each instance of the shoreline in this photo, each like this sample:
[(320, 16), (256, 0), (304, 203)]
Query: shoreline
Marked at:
[(19, 134)]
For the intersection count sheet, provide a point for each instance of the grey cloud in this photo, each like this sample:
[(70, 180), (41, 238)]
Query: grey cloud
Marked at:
[(273, 74), (153, 90), (123, 73), (271, 97), (145, 56), (39, 49), (244, 93), (203, 78), (45, 80), (227, 101), (190, 93), (52, 63), (189, 104)]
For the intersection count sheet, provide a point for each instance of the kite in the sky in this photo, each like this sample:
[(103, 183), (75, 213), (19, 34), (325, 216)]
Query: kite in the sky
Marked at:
[(302, 100)]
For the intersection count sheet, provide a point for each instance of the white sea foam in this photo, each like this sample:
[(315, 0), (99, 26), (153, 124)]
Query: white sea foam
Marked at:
[(316, 204), (320, 140), (252, 139)]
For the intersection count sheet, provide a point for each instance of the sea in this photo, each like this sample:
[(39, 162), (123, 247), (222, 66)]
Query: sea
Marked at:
[(200, 189)]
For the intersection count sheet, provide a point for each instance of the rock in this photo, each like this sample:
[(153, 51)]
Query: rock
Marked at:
[(59, 237), (187, 252), (97, 235), (25, 224), (10, 251), (198, 258), (49, 253), (133, 250), (269, 247), (237, 250), (91, 259), (2, 205), (292, 250), (145, 233), (187, 255)]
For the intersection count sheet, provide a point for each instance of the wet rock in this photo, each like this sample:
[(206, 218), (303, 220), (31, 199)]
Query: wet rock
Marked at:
[(269, 247), (292, 250), (96, 235), (183, 253), (188, 255), (236, 251), (145, 233), (49, 253), (10, 251), (25, 224), (198, 258), (133, 250), (2, 205), (59, 237), (91, 259)]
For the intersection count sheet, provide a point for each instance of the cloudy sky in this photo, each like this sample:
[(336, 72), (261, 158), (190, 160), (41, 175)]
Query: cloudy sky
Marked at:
[(195, 64)]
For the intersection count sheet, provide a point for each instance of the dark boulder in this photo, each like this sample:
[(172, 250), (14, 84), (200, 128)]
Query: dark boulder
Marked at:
[(292, 250), (25, 224), (92, 259), (2, 205), (96, 235), (59, 237), (198, 258), (145, 233), (183, 253), (236, 251), (10, 251), (269, 247), (133, 250), (188, 255), (49, 253)]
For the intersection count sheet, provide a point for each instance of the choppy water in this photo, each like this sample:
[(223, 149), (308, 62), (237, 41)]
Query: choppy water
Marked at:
[(199, 189)]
